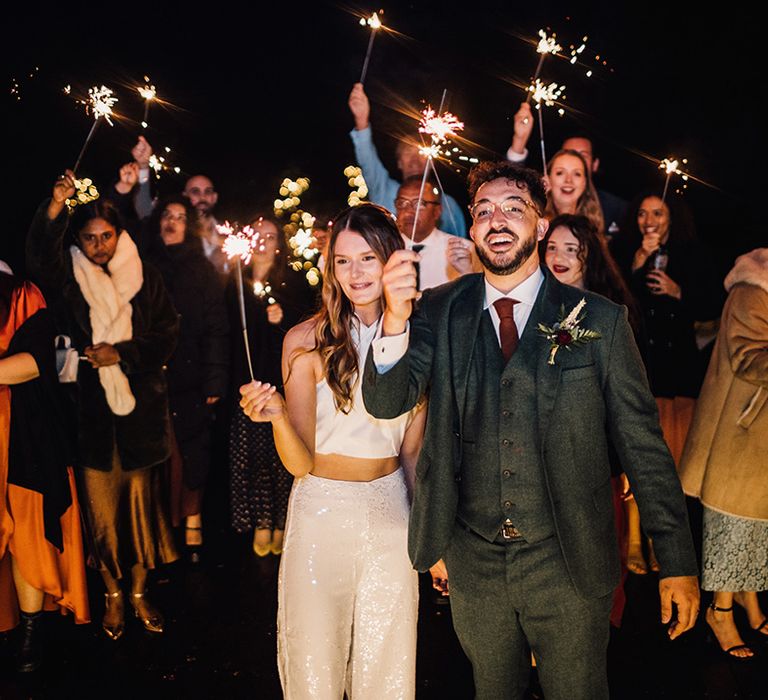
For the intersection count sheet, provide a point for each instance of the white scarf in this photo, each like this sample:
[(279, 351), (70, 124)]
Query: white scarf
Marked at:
[(108, 296)]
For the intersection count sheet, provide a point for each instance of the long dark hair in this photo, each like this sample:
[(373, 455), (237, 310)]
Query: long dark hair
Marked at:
[(191, 233), (682, 228), (601, 273), (333, 322)]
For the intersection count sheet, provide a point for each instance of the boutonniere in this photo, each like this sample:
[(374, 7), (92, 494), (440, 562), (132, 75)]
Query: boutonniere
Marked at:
[(567, 332)]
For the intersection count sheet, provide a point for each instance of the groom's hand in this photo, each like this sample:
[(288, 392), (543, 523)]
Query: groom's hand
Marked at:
[(399, 283), (683, 591)]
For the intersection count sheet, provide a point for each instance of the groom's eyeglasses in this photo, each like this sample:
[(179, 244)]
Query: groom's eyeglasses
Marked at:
[(511, 208)]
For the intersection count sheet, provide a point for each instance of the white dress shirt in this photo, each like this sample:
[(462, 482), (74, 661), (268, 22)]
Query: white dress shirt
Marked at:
[(434, 268), (387, 351)]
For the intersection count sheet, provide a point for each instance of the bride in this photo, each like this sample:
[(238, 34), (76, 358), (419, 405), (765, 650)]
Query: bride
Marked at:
[(347, 594)]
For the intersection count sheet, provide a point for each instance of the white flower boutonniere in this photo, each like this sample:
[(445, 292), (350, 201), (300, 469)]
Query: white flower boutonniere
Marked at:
[(567, 332)]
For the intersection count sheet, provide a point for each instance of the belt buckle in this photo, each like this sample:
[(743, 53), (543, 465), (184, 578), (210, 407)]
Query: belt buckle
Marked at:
[(509, 531)]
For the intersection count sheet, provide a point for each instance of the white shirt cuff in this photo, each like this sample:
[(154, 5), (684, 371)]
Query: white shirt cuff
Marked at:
[(516, 157), (388, 351)]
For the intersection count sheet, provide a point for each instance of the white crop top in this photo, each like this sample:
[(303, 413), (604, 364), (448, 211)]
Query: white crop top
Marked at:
[(357, 433)]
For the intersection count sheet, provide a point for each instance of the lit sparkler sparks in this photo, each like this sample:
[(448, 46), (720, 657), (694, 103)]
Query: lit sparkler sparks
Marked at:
[(160, 164), (671, 166), (548, 44), (99, 103), (239, 244), (545, 95), (375, 24), (148, 93), (439, 126)]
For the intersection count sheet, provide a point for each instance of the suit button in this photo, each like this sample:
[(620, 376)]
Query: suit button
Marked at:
[(508, 504), (505, 442), (507, 473), (505, 413), (505, 382)]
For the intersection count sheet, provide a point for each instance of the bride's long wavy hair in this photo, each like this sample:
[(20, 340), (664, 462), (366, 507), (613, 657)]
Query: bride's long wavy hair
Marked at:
[(333, 322)]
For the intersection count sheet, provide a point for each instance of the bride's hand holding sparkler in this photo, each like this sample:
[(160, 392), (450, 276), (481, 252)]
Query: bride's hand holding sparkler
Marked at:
[(360, 107), (262, 403), (63, 189)]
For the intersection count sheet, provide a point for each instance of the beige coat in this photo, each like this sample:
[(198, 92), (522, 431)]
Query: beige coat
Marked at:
[(725, 461)]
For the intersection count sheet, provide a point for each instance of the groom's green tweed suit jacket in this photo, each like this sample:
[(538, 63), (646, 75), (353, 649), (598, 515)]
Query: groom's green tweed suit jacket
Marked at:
[(593, 394)]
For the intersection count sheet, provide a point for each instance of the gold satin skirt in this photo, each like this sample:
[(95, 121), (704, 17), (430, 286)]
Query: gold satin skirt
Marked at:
[(127, 516)]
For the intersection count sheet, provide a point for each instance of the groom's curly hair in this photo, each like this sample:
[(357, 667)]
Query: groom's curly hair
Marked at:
[(524, 178)]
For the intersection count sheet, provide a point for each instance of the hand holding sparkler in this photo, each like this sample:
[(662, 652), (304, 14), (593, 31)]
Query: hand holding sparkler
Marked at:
[(63, 189), (399, 281), (360, 107), (142, 152), (523, 128)]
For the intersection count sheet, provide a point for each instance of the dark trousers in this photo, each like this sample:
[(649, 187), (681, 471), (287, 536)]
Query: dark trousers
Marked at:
[(510, 599)]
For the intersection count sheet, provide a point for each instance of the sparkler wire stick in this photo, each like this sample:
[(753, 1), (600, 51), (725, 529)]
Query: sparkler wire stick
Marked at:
[(529, 94), (85, 145), (243, 325), (375, 24), (442, 192), (541, 141)]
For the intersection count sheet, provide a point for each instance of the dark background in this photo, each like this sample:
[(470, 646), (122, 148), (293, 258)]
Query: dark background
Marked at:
[(259, 92)]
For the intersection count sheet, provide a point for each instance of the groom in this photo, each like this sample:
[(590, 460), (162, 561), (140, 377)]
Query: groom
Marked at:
[(513, 486)]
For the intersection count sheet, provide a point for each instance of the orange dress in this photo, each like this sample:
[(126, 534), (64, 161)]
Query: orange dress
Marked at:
[(59, 574)]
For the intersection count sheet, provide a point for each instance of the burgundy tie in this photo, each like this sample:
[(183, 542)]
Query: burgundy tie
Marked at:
[(507, 327)]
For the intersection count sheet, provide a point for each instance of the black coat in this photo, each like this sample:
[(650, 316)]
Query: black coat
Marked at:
[(199, 367), (672, 359), (142, 437)]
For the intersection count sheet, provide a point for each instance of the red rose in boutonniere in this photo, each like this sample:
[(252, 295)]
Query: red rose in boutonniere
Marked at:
[(567, 332)]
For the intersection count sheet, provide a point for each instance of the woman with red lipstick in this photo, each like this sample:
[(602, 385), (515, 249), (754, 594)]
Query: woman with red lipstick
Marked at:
[(570, 189), (672, 277), (347, 594), (576, 255)]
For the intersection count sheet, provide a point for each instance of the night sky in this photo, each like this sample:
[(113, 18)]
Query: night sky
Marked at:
[(259, 93)]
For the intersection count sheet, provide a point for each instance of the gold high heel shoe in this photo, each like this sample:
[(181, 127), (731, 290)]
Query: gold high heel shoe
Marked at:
[(114, 632), (152, 622)]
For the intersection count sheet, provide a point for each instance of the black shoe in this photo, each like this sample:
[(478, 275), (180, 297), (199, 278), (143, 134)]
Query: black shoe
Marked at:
[(30, 644)]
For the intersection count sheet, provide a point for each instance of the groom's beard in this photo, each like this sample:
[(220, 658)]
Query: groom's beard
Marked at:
[(512, 265)]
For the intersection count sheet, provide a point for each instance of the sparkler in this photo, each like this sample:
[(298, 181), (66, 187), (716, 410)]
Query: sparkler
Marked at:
[(546, 45), (148, 93), (544, 95), (160, 164), (99, 104), (375, 24), (439, 126), (240, 244), (670, 166)]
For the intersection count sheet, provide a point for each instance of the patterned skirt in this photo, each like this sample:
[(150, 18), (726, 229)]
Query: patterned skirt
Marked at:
[(259, 484), (735, 553)]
